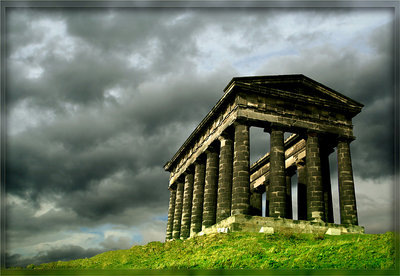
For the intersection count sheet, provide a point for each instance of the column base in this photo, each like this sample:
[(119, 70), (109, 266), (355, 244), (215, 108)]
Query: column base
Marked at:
[(246, 223)]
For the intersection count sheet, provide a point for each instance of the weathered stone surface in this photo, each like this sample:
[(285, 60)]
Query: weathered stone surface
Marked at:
[(266, 199), (326, 183), (198, 196), (315, 193), (277, 192), (187, 205), (295, 150), (245, 223), (255, 203), (266, 230), (347, 198), (241, 170), (210, 188), (333, 231), (176, 233), (302, 190), (171, 211), (224, 198), (288, 180)]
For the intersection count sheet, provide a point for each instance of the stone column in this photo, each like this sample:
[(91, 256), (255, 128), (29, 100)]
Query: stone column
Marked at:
[(224, 198), (326, 183), (241, 170), (266, 198), (171, 210), (301, 190), (315, 193), (198, 196), (187, 205), (277, 201), (288, 178), (210, 188), (255, 203), (347, 197), (176, 233)]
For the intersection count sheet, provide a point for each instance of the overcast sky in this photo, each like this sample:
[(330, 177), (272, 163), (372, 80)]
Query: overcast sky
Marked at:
[(99, 99)]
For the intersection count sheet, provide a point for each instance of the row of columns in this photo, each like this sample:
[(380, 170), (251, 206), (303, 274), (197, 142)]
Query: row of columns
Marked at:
[(218, 185)]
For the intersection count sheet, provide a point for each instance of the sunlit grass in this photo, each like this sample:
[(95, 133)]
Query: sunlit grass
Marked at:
[(248, 251)]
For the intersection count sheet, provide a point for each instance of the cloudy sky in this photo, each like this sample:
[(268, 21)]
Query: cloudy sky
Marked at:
[(99, 99)]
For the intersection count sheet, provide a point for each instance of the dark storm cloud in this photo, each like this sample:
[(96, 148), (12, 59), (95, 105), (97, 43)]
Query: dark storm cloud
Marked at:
[(73, 155), (64, 253), (82, 80)]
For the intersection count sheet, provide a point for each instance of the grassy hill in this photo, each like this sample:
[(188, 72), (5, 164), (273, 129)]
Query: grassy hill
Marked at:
[(248, 250)]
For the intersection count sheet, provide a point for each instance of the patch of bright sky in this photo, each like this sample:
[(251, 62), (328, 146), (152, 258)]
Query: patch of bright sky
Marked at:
[(214, 46), (85, 238), (246, 66), (143, 59), (98, 230), (34, 72), (21, 118), (107, 230), (114, 93), (57, 240), (295, 30), (375, 196), (162, 218), (45, 207), (113, 183), (178, 19), (55, 39)]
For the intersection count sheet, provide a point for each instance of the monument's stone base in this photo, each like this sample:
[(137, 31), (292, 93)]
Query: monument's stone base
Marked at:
[(270, 225)]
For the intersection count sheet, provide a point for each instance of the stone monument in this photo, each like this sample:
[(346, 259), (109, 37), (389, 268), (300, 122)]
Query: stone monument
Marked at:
[(213, 187)]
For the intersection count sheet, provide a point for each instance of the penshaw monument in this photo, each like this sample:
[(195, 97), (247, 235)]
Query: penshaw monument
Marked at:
[(214, 188)]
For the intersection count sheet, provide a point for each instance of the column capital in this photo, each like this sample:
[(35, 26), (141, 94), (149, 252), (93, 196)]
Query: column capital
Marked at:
[(172, 188), (241, 121), (274, 126), (312, 133), (200, 160), (326, 151), (346, 139), (189, 170), (300, 163), (225, 135), (290, 171), (211, 149)]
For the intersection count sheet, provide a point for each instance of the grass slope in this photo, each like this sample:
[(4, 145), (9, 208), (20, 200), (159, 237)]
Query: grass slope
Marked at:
[(249, 250)]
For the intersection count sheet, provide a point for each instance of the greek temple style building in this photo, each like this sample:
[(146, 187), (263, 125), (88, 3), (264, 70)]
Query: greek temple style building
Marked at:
[(213, 187)]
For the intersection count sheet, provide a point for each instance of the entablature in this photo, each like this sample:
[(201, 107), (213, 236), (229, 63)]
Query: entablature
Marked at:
[(262, 101)]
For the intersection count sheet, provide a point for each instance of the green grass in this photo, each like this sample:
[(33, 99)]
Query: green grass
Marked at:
[(248, 251)]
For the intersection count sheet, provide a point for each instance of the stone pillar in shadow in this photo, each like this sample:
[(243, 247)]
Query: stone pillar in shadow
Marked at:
[(266, 198), (176, 233), (315, 193), (187, 204), (347, 197), (277, 200), (210, 188), (198, 195), (326, 182), (241, 170), (255, 202), (224, 198), (171, 211), (288, 179), (301, 190)]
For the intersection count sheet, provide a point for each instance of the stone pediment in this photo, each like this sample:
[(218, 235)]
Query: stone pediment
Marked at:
[(298, 88)]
